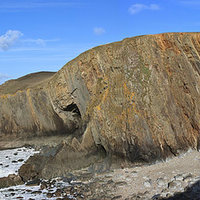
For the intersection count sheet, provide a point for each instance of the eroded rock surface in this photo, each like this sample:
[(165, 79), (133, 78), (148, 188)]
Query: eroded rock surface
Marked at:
[(11, 180), (175, 179), (138, 98)]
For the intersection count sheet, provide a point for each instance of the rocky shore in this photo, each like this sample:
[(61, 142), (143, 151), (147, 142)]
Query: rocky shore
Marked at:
[(176, 178), (105, 121)]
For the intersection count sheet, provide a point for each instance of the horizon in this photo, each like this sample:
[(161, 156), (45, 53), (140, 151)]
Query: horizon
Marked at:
[(43, 35)]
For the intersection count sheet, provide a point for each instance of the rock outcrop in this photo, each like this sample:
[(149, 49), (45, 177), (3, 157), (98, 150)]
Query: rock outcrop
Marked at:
[(138, 98), (11, 180)]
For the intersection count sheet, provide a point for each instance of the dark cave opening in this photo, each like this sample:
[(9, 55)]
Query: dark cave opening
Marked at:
[(72, 108), (102, 150)]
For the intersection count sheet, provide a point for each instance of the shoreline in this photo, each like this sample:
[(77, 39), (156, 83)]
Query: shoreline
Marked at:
[(160, 180)]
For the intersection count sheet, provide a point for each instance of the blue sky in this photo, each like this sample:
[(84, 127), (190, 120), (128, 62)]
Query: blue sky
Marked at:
[(43, 35)]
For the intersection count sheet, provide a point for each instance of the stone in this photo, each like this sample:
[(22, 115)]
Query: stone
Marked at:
[(11, 180), (121, 183), (148, 183), (32, 169), (49, 195), (34, 182), (172, 184), (43, 185), (136, 99), (156, 197), (116, 197), (178, 177), (58, 193), (188, 177), (161, 182), (36, 192), (11, 190), (110, 181), (66, 198)]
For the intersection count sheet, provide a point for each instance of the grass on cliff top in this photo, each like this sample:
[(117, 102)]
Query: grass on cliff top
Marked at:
[(22, 83)]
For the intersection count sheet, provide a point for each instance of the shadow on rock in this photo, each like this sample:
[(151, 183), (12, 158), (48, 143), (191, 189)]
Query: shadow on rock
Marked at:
[(191, 192), (60, 160)]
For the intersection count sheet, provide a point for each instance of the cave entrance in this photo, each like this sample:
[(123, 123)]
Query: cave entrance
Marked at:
[(101, 150), (72, 108)]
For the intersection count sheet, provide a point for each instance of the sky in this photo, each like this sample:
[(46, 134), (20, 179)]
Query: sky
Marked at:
[(43, 35)]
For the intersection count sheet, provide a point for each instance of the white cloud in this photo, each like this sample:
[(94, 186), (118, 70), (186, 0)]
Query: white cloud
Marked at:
[(99, 30), (9, 39), (3, 77), (136, 8), (40, 42)]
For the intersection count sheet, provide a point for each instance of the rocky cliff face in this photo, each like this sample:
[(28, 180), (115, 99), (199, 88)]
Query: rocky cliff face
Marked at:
[(138, 98)]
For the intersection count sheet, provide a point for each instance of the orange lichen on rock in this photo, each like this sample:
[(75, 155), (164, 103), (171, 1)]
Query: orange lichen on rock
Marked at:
[(5, 96), (164, 41), (138, 98)]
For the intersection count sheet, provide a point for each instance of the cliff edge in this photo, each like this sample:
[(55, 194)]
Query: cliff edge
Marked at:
[(138, 99)]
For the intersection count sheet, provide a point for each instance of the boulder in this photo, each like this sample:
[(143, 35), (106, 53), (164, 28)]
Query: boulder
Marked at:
[(11, 180)]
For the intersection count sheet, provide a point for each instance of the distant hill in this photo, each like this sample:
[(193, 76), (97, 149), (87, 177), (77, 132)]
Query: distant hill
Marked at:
[(24, 82)]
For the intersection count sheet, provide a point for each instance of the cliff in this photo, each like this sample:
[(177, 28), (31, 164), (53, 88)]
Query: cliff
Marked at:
[(138, 98)]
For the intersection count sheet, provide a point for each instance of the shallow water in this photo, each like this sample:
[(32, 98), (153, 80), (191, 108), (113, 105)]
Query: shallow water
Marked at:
[(12, 159), (10, 162), (31, 192)]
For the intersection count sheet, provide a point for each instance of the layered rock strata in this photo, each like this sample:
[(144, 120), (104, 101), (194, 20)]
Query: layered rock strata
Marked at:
[(138, 98)]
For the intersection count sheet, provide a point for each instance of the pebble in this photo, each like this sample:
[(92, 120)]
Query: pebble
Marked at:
[(178, 177), (58, 193), (33, 182), (117, 197), (121, 183), (172, 184), (188, 177), (49, 195), (161, 182), (156, 197), (147, 183)]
